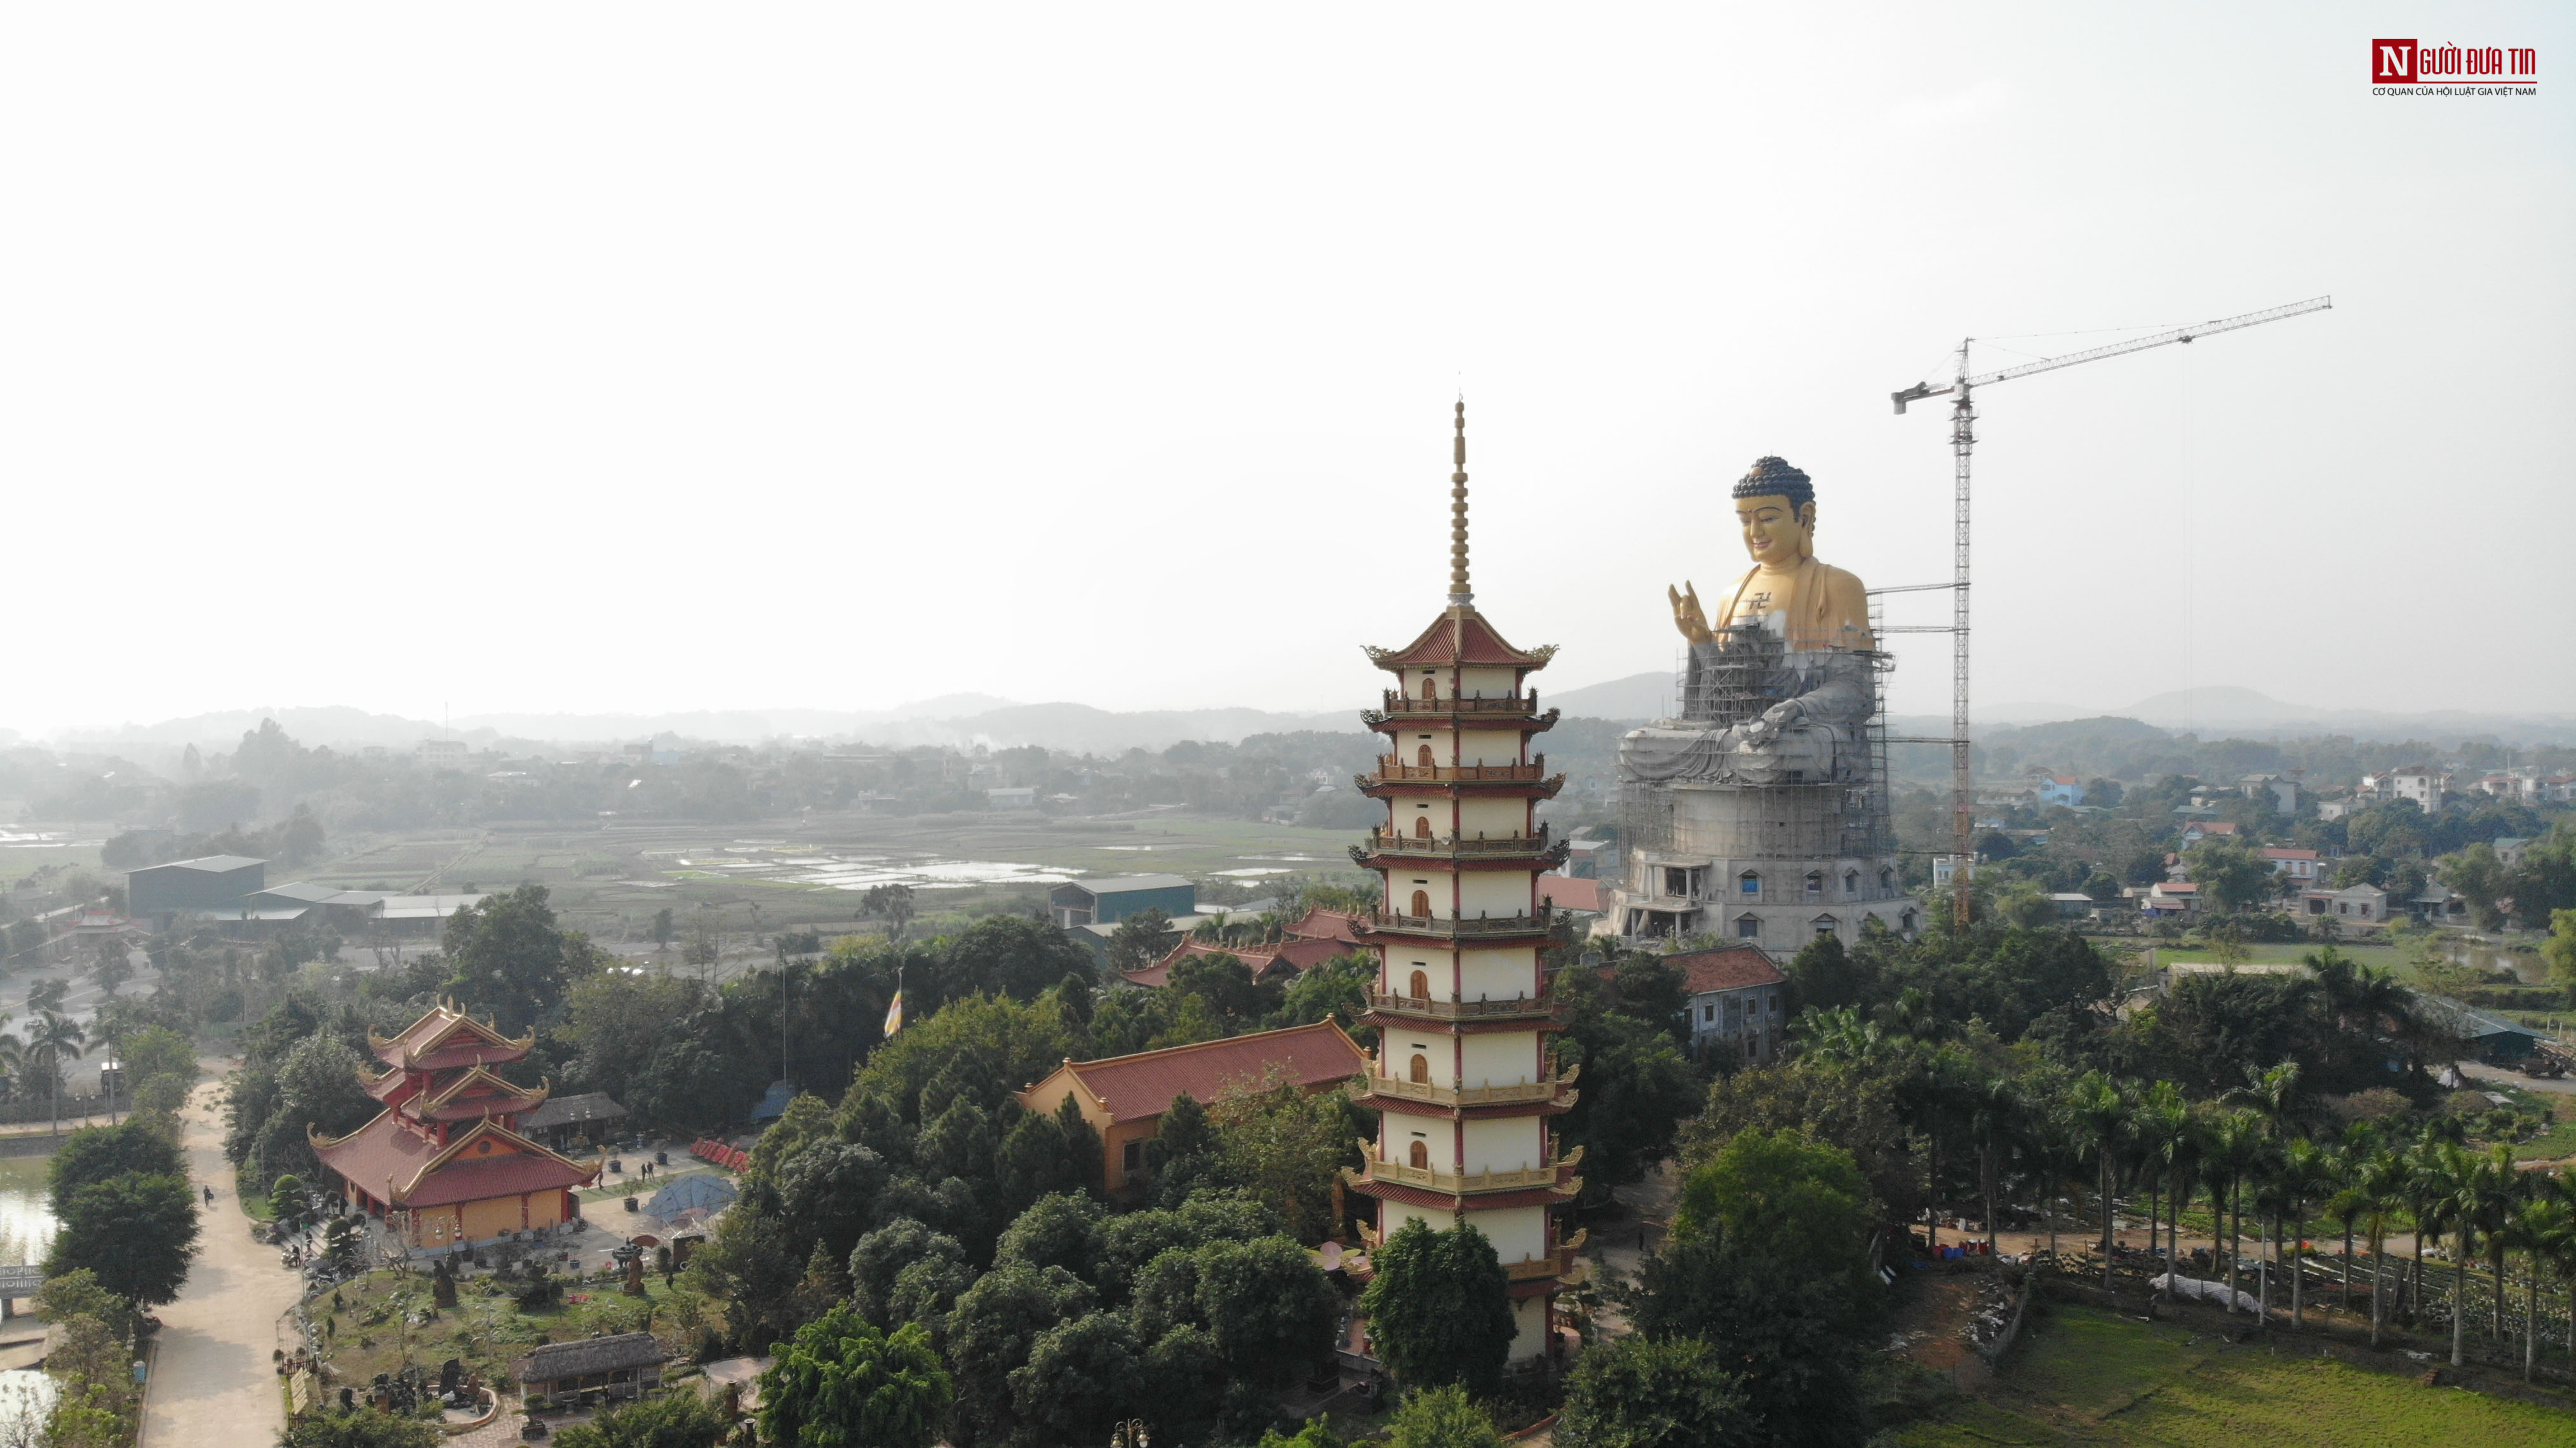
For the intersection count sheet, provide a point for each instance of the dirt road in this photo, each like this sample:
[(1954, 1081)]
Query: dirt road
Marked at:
[(213, 1380)]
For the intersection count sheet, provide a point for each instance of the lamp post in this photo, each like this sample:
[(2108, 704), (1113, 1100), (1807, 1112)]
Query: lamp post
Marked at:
[(1129, 1434)]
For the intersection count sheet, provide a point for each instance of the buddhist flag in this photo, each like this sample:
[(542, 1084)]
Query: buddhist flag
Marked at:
[(894, 1013)]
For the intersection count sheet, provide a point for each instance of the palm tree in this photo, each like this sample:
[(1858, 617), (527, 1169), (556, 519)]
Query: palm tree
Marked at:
[(2158, 1130), (2457, 1198), (2306, 1174), (2235, 1150), (2100, 1109), (2541, 1218), (2381, 1185), (2500, 1194), (2423, 1193), (1996, 1113), (2360, 1139), (51, 1040)]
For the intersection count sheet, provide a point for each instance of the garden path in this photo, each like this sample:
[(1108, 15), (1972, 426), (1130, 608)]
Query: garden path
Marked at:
[(213, 1380)]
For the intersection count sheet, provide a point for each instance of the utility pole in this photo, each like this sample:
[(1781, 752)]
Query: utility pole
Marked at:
[(1963, 437)]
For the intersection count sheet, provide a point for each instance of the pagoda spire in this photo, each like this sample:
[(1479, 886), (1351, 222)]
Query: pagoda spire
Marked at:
[(1460, 596)]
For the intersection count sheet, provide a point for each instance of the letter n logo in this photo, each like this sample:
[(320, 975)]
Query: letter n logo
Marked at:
[(2392, 61)]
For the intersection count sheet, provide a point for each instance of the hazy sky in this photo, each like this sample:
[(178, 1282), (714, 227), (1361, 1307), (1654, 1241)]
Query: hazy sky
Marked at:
[(657, 357)]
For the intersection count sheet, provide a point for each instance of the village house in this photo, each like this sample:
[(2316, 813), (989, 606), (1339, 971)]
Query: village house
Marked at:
[(1735, 998), (2061, 789), (1124, 1097), (2170, 899), (2300, 865), (2353, 909), (2199, 830)]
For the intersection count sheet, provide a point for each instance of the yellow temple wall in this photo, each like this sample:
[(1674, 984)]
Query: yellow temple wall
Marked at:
[(1489, 746), (1492, 819)]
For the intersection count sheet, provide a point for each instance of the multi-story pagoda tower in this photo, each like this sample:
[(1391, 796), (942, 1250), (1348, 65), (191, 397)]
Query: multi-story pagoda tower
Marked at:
[(1462, 1082)]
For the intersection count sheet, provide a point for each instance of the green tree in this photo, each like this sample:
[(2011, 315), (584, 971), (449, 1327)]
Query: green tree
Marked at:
[(1637, 1088), (365, 1428), (135, 1232), (1141, 939), (95, 1154), (1441, 1417), (840, 1383), (663, 929), (1639, 1392), (1284, 1147), (682, 1419), (1826, 976), (2480, 878), (509, 957), (1082, 1375), (1780, 1196), (2560, 949), (993, 1329), (891, 904), (1440, 1307), (51, 1040), (2231, 876), (1267, 1303)]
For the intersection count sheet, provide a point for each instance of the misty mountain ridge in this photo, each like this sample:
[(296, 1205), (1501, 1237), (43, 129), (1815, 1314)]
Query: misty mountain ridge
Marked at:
[(967, 720)]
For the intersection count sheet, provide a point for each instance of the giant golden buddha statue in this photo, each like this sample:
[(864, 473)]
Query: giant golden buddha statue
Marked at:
[(1780, 684), (1788, 592)]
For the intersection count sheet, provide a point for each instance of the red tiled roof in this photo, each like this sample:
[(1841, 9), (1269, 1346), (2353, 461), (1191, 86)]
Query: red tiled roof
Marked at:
[(2218, 827), (385, 1159), (1569, 893), (1297, 955), (1319, 923), (1460, 636), (459, 1039), (1143, 1085), (500, 1176), (1733, 967)]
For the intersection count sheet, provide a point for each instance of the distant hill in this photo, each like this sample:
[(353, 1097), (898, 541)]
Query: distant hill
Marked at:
[(1638, 696)]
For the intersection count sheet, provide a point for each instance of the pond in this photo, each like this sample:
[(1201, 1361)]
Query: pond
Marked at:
[(26, 1230)]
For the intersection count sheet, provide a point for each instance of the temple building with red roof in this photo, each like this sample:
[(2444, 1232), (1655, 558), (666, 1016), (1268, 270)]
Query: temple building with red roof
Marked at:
[(444, 1162), (1463, 1083), (1124, 1097)]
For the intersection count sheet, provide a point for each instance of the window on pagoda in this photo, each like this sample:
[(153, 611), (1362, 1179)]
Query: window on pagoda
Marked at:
[(1422, 904), (1422, 756), (1422, 827), (1419, 1072), (1421, 1156), (1421, 985)]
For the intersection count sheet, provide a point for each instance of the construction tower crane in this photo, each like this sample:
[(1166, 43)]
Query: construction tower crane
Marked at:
[(1961, 391)]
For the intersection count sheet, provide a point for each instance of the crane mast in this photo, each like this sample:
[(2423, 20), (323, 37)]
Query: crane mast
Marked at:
[(1961, 391)]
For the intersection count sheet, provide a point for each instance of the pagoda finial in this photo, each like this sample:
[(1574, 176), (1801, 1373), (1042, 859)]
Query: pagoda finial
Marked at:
[(1459, 594)]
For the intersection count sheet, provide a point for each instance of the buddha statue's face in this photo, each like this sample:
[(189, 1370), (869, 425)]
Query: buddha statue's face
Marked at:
[(1776, 532)]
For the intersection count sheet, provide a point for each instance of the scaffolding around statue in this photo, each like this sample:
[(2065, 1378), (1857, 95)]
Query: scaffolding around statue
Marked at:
[(1759, 812)]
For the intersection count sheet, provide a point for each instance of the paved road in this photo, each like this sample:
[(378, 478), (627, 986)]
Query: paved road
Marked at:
[(213, 1380)]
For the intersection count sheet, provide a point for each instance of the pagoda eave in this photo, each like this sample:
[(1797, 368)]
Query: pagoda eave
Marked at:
[(1541, 1019), (1489, 1111), (1411, 1196), (1378, 786)]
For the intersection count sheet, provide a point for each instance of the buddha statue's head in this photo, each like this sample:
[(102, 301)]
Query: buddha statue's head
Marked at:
[(1775, 504)]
